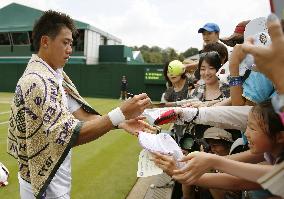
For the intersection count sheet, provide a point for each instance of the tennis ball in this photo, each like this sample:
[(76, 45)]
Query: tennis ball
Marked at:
[(175, 68)]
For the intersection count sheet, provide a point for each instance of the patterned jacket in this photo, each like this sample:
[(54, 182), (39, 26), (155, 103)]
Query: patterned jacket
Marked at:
[(41, 130)]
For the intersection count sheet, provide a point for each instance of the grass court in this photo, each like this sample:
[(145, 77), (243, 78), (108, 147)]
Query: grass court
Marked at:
[(103, 169)]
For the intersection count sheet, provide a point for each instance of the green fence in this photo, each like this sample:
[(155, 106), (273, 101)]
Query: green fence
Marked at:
[(102, 80)]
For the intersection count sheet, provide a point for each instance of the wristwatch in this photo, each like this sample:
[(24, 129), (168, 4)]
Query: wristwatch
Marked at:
[(278, 105)]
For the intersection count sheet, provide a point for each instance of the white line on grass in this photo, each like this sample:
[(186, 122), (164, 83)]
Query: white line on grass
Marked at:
[(4, 122), (5, 102), (2, 113)]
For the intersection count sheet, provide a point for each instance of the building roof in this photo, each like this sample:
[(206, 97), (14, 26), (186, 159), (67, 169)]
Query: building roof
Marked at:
[(16, 18)]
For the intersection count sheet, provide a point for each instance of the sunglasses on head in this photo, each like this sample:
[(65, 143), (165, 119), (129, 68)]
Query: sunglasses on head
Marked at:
[(210, 53)]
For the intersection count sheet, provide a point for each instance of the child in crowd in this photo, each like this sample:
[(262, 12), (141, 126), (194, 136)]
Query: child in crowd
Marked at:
[(269, 61), (265, 134), (220, 142)]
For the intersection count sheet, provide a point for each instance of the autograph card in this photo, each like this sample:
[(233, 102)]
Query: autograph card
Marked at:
[(146, 167)]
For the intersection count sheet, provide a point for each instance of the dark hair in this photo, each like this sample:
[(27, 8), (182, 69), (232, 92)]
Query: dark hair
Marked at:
[(50, 24), (218, 47), (165, 71), (225, 143), (267, 118), (212, 58)]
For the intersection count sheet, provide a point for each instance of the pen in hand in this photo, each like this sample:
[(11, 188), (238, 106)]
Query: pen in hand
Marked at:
[(130, 95)]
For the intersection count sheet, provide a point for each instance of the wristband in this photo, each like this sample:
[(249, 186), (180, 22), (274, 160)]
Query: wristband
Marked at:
[(235, 80), (116, 116)]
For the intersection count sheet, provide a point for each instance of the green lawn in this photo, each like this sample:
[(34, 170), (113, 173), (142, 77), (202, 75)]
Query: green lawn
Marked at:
[(103, 169)]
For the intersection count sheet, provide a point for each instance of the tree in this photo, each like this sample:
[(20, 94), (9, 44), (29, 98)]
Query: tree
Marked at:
[(144, 47), (156, 49), (181, 57), (169, 54), (157, 55), (190, 52), (135, 48)]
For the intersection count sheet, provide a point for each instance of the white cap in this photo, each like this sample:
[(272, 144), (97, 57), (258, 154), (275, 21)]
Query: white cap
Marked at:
[(217, 134), (255, 26), (161, 143)]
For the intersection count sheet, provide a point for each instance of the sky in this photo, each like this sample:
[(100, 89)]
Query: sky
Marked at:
[(163, 23)]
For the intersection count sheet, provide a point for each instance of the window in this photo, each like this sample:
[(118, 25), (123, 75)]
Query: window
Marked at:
[(4, 39), (79, 41), (20, 38)]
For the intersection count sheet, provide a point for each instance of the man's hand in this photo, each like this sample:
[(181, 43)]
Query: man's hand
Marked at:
[(135, 106), (197, 163), (165, 162), (270, 60), (133, 126)]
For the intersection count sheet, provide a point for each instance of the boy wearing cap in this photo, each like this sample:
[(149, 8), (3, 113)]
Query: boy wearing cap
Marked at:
[(210, 33), (220, 141)]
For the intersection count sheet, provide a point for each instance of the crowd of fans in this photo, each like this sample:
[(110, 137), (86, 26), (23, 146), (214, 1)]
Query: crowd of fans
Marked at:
[(246, 108)]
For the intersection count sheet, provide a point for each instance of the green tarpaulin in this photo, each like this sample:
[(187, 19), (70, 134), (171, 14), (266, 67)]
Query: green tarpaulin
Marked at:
[(16, 18)]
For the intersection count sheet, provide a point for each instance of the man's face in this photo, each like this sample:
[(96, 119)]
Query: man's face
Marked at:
[(218, 147), (59, 49), (210, 37)]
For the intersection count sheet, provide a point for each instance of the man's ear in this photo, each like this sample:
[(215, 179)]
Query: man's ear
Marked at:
[(280, 137), (44, 41)]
